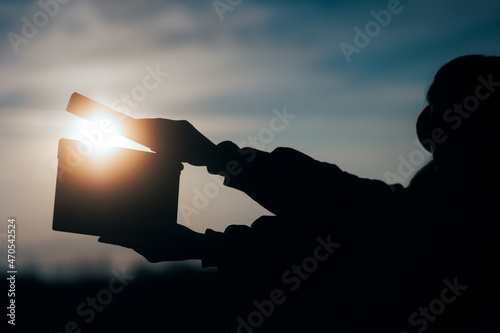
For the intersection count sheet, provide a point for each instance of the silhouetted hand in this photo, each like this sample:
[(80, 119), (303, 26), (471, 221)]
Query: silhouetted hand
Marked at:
[(174, 242), (173, 138)]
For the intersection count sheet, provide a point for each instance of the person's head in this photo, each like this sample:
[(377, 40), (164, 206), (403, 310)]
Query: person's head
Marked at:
[(461, 124)]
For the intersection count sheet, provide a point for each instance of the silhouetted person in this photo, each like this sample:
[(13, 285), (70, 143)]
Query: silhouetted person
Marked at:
[(415, 259)]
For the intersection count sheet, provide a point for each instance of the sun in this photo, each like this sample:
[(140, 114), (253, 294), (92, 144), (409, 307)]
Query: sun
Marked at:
[(102, 134)]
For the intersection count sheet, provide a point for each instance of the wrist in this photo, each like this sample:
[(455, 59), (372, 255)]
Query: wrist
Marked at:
[(199, 246), (210, 247), (223, 153)]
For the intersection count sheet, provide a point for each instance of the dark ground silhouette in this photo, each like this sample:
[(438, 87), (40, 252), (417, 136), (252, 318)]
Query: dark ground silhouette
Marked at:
[(179, 299)]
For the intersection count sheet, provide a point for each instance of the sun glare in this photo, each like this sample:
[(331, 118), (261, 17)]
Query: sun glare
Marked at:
[(103, 136)]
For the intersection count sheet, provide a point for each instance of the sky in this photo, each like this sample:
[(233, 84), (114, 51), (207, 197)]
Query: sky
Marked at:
[(350, 75)]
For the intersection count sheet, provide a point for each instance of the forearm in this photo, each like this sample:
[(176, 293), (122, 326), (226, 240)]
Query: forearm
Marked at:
[(279, 180), (288, 182), (270, 250), (257, 253)]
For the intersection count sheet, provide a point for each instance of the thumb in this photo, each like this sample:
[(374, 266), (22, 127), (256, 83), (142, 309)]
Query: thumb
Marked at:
[(114, 240)]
